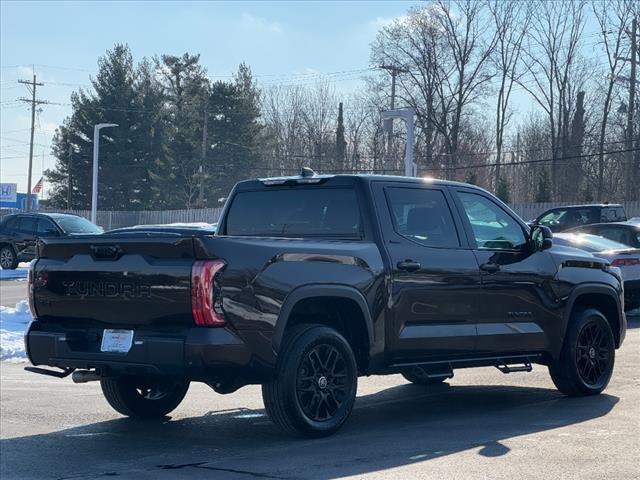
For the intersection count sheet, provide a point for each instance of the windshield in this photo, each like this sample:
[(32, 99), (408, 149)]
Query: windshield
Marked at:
[(73, 225), (591, 243)]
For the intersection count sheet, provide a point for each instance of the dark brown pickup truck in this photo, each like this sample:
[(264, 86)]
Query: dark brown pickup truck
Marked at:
[(312, 281)]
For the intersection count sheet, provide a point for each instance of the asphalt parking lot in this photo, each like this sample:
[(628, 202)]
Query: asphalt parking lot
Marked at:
[(482, 425)]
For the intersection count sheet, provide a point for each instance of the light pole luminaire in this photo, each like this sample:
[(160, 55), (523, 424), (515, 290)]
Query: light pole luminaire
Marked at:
[(407, 114), (96, 151)]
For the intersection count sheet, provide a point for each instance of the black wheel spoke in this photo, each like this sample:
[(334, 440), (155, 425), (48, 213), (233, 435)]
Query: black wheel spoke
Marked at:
[(593, 354), (321, 382)]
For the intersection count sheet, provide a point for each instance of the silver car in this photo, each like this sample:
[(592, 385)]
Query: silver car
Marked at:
[(619, 255)]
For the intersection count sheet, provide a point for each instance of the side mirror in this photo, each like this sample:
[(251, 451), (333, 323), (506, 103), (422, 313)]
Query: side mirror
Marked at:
[(541, 238)]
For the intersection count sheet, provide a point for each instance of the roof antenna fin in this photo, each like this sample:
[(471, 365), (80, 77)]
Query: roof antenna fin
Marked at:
[(307, 172)]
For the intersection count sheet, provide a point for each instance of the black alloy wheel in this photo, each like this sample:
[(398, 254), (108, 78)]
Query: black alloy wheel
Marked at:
[(593, 354), (314, 389), (586, 361), (320, 385)]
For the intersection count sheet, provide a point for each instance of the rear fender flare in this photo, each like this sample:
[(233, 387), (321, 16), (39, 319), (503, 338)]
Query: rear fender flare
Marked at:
[(312, 291)]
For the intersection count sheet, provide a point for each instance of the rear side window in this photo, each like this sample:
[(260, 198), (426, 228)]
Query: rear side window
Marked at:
[(27, 224), (10, 223), (613, 214), (423, 216), (295, 212)]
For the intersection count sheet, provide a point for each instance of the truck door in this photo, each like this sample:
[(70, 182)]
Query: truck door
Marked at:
[(435, 280), (518, 310)]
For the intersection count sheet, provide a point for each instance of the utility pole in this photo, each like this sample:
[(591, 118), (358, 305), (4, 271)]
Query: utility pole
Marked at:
[(205, 124), (631, 171), (69, 177), (33, 84), (394, 71)]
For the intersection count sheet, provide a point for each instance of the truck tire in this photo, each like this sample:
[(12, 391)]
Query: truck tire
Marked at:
[(143, 397), (587, 358), (8, 258), (417, 376), (315, 385)]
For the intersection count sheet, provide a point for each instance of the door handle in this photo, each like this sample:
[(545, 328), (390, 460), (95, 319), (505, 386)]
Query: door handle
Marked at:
[(409, 265), (490, 267)]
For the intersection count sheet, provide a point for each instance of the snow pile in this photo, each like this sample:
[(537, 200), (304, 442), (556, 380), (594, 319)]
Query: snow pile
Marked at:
[(13, 274), (13, 324)]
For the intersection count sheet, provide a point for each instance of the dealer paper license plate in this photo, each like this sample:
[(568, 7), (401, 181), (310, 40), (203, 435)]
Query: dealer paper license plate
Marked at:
[(116, 340)]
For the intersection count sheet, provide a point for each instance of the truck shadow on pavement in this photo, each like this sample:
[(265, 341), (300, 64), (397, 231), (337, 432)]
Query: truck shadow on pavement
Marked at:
[(391, 428)]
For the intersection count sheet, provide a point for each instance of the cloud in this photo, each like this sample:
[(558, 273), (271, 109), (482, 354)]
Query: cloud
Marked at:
[(24, 71), (381, 22), (252, 21)]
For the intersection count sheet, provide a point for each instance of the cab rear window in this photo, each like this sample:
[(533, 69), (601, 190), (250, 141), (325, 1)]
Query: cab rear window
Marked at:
[(295, 212)]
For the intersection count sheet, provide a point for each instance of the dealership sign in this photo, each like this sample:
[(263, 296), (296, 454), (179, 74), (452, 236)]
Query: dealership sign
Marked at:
[(8, 195)]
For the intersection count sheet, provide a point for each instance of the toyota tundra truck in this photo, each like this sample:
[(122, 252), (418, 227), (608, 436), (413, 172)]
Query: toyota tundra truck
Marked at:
[(313, 281)]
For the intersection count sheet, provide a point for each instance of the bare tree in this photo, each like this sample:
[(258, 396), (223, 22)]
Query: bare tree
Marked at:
[(613, 19), (509, 21), (553, 42), (470, 39)]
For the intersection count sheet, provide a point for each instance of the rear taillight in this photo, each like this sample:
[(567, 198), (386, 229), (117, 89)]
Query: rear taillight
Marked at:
[(31, 290), (206, 303), (625, 262)]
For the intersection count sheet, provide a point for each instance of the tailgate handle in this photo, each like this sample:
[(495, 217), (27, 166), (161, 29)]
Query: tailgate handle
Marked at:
[(106, 252)]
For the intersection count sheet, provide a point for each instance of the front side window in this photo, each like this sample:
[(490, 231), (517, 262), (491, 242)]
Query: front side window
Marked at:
[(423, 216), (27, 224), (493, 228), (552, 218), (295, 212), (46, 227)]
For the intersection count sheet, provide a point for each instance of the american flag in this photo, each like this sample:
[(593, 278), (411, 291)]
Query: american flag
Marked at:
[(38, 187)]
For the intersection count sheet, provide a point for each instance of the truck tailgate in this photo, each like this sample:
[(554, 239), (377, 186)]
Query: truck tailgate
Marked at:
[(115, 281)]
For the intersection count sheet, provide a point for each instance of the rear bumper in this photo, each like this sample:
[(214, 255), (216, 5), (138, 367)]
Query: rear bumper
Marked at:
[(200, 354)]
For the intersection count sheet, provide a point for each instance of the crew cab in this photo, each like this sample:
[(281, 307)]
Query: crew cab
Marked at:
[(313, 281)]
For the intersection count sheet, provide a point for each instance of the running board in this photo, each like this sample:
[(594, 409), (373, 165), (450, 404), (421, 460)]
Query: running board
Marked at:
[(519, 363), (52, 373), (505, 368)]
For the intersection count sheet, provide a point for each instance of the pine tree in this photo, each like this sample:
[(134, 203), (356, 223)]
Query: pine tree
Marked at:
[(502, 191), (123, 174), (234, 134), (543, 187), (177, 175)]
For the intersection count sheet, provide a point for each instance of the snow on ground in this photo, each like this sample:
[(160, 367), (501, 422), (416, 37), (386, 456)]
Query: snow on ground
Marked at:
[(13, 324), (17, 274)]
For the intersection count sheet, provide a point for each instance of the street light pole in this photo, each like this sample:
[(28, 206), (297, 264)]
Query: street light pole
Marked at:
[(96, 150), (407, 114)]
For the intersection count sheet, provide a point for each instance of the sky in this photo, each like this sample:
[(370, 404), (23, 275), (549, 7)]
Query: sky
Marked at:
[(283, 42)]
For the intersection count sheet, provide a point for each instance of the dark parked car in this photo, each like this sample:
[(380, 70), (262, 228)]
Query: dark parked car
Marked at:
[(627, 233), (564, 218), (19, 232), (313, 281)]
